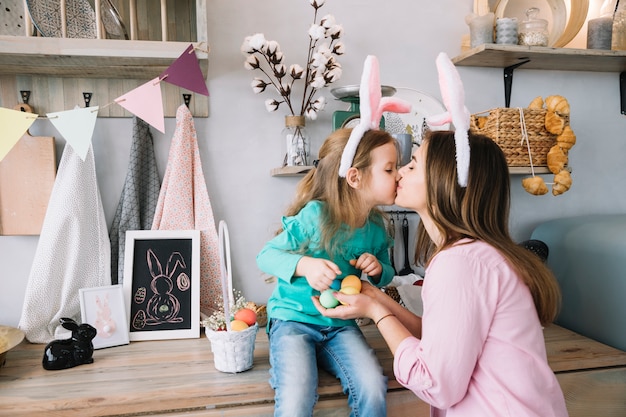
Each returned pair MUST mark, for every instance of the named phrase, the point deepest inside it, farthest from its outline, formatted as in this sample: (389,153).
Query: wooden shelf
(290,171)
(89,58)
(543,58)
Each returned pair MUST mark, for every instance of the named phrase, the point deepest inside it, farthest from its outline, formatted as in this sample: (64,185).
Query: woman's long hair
(343,204)
(480,211)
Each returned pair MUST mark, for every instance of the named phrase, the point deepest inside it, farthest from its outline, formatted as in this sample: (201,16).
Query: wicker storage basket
(504,127)
(233,351)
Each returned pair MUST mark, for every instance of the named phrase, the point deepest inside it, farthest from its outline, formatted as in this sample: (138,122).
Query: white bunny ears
(454,99)
(372,106)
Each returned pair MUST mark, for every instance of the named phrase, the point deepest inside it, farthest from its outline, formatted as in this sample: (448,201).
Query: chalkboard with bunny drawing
(161,292)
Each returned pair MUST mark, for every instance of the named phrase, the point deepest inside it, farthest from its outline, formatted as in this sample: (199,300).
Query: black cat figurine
(67,353)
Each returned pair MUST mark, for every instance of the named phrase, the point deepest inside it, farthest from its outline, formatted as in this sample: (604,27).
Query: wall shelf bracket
(508,81)
(622,91)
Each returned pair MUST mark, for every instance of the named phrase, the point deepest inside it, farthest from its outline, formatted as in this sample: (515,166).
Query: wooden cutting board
(27,175)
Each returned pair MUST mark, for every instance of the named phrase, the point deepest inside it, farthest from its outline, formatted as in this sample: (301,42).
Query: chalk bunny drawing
(104,323)
(163,306)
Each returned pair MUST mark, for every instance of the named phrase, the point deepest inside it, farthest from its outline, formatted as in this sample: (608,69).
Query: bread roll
(557,104)
(554,123)
(557,159)
(536,104)
(535,185)
(562,182)
(567,138)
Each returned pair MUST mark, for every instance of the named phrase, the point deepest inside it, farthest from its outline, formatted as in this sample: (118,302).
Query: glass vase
(618,35)
(296,142)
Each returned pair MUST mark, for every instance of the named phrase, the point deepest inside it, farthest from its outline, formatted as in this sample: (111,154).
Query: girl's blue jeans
(296,351)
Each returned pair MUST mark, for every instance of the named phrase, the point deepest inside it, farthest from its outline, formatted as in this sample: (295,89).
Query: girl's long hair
(343,204)
(480,211)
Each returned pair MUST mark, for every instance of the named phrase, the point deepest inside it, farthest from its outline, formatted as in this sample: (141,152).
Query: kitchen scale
(350,94)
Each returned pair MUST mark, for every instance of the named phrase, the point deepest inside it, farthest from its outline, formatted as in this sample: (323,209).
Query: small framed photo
(104,309)
(162,284)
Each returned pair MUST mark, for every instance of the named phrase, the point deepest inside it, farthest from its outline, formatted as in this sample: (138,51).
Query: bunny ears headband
(372,106)
(454,99)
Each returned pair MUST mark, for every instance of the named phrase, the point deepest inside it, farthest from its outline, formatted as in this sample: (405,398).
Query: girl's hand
(319,273)
(369,264)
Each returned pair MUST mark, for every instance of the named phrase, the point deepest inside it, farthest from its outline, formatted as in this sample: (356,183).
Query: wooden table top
(152,376)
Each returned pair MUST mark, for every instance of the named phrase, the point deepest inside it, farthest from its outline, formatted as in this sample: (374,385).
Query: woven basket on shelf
(233,351)
(504,127)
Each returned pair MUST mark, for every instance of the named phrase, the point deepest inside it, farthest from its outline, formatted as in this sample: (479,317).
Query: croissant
(556,159)
(558,104)
(536,104)
(535,185)
(554,123)
(567,138)
(562,182)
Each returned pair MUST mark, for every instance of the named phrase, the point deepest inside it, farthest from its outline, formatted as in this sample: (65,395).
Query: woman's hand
(319,273)
(365,304)
(369,264)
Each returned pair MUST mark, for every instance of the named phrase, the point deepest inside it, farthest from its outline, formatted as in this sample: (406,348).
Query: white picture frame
(162,284)
(104,308)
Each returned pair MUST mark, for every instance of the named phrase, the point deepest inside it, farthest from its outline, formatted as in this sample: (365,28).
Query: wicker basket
(504,127)
(233,351)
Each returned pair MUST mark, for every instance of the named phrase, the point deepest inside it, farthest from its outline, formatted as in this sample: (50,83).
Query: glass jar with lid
(533,31)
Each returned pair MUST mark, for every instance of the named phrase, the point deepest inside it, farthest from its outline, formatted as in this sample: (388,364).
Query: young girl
(332,230)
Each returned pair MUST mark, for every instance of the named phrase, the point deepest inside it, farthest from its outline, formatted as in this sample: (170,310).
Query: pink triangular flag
(14,124)
(185,72)
(76,126)
(146,102)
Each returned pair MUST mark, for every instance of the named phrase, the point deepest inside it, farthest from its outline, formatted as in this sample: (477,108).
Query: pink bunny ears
(372,106)
(454,99)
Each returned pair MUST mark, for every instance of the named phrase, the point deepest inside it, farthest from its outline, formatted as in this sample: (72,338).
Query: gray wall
(239,142)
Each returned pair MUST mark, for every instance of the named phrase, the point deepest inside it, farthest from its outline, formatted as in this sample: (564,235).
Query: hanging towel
(184,205)
(73,250)
(138,201)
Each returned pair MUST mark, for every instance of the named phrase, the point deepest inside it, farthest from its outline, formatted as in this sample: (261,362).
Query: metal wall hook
(187,99)
(25,96)
(87,98)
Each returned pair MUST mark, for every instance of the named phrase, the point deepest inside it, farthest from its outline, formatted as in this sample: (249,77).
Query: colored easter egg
(351,281)
(238,325)
(328,300)
(348,290)
(246,315)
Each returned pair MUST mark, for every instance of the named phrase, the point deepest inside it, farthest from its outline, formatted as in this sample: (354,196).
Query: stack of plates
(80,18)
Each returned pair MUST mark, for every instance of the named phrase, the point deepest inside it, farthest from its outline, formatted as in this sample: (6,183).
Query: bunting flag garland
(76,126)
(14,124)
(185,72)
(145,102)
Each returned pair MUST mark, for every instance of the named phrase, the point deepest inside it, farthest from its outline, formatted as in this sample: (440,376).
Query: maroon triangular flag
(185,72)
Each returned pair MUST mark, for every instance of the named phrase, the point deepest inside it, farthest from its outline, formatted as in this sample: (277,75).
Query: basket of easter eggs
(233,330)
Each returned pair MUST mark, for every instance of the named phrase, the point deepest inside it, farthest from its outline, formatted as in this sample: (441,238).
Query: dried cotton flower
(321,68)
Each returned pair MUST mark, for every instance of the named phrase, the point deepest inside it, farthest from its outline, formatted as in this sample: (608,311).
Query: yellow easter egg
(349,291)
(351,281)
(238,325)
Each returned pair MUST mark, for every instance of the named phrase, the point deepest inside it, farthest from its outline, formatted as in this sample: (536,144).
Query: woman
(478,349)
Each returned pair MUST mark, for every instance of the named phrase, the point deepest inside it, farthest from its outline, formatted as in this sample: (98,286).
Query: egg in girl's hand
(349,291)
(351,281)
(246,315)
(238,325)
(327,299)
